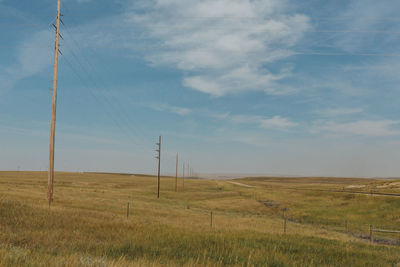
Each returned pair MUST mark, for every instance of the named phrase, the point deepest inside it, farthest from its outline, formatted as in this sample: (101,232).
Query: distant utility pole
(183,175)
(159,165)
(53,109)
(176,174)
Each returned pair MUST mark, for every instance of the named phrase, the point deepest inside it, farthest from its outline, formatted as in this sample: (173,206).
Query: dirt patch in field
(355,186)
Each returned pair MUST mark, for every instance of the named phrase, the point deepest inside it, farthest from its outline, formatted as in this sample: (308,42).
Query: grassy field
(87,223)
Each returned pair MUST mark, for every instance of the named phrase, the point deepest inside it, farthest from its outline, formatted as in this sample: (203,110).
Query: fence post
(284,225)
(284,219)
(211,219)
(127,211)
(371,233)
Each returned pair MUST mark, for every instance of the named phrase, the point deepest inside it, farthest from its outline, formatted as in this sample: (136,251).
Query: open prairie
(87,225)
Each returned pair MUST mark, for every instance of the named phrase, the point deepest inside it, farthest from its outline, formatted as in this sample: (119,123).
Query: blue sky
(263,86)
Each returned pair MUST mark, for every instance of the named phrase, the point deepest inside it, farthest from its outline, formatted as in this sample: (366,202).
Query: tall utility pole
(176,174)
(159,165)
(53,108)
(183,175)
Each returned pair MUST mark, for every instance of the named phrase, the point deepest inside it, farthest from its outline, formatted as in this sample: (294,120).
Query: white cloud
(276,122)
(367,15)
(332,112)
(215,115)
(223,45)
(173,109)
(361,127)
(30,60)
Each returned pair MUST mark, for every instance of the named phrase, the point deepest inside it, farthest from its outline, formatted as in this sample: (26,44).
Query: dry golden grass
(87,224)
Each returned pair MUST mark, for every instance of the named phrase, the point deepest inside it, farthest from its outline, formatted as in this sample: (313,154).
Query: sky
(274,87)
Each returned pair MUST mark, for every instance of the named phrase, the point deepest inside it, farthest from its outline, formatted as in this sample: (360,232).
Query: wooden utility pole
(159,165)
(176,174)
(183,175)
(53,109)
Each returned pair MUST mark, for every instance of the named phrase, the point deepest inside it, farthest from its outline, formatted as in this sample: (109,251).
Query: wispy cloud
(173,109)
(215,115)
(223,45)
(332,112)
(63,134)
(377,128)
(367,15)
(276,122)
(30,60)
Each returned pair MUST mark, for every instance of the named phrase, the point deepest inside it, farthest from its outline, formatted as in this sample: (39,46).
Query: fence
(372,230)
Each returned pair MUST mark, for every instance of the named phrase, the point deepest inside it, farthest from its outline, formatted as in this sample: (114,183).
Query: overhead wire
(326,18)
(107,106)
(100,79)
(93,78)
(122,117)
(94,96)
(223,27)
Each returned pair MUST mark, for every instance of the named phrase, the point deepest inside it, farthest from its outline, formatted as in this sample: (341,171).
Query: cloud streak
(30,60)
(333,112)
(172,109)
(223,46)
(373,128)
(275,122)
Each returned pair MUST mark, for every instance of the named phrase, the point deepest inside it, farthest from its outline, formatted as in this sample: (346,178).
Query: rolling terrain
(87,225)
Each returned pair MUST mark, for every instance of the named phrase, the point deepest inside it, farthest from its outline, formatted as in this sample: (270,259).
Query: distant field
(87,223)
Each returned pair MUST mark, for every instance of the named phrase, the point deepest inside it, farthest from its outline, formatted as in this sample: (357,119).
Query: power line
(92,78)
(100,79)
(97,14)
(216,27)
(119,122)
(346,54)
(8,25)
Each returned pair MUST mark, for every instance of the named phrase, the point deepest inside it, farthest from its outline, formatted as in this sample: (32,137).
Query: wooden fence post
(284,225)
(211,219)
(371,233)
(284,219)
(127,211)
